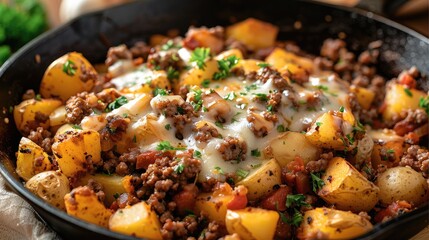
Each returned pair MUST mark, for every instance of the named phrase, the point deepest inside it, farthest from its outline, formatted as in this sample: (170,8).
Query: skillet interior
(92,34)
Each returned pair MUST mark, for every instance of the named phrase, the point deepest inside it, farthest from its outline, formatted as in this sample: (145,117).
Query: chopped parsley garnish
(219,124)
(230,96)
(197,154)
(77,127)
(134,139)
(172,73)
(256,165)
(160,91)
(319,124)
(281,128)
(69,68)
(390,151)
(323,87)
(270,108)
(424,103)
(296,218)
(219,170)
(261,96)
(359,127)
(251,87)
(255,153)
(38,97)
(169,45)
(296,200)
(199,56)
(167,126)
(205,83)
(179,168)
(350,138)
(122,100)
(125,115)
(241,173)
(263,65)
(408,92)
(116,195)
(197,103)
(234,119)
(341,109)
(166,146)
(316,181)
(225,66)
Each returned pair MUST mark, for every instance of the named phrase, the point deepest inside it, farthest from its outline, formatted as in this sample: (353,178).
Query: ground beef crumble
(417,158)
(233,149)
(42,137)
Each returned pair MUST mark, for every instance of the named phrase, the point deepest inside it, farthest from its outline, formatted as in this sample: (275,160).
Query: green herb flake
(116,195)
(69,68)
(341,109)
(199,56)
(323,88)
(255,152)
(38,97)
(168,45)
(166,146)
(134,139)
(219,124)
(408,92)
(281,128)
(78,127)
(296,200)
(230,96)
(219,170)
(251,87)
(160,91)
(424,103)
(319,124)
(205,83)
(263,65)
(179,168)
(225,66)
(390,151)
(197,154)
(172,73)
(261,96)
(256,165)
(296,218)
(167,126)
(241,173)
(234,118)
(316,181)
(122,100)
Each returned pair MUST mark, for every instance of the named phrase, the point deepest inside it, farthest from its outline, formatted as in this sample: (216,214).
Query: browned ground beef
(181,114)
(233,149)
(77,108)
(410,120)
(321,164)
(42,137)
(417,158)
(113,131)
(120,52)
(205,133)
(267,73)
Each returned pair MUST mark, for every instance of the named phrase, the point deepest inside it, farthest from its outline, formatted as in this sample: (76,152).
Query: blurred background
(23,20)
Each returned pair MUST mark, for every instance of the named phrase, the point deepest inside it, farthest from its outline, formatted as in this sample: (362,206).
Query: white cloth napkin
(18,220)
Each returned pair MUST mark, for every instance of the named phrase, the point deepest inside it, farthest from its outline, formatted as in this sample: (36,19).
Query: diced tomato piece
(145,159)
(407,80)
(302,182)
(238,202)
(185,200)
(297,165)
(277,200)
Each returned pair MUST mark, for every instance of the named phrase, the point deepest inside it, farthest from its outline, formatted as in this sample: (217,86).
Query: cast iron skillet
(92,34)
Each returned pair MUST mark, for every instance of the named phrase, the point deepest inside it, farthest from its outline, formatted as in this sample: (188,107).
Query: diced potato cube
(31,159)
(138,220)
(76,150)
(252,223)
(364,96)
(399,98)
(332,224)
(112,185)
(255,34)
(346,188)
(285,61)
(82,203)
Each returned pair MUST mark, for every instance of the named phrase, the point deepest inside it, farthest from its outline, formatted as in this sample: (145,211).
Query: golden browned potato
(399,98)
(58,116)
(346,188)
(29,112)
(327,130)
(364,96)
(214,204)
(261,181)
(402,183)
(287,62)
(255,34)
(252,223)
(287,146)
(112,185)
(138,220)
(76,150)
(195,76)
(51,186)
(332,224)
(67,76)
(31,159)
(83,203)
